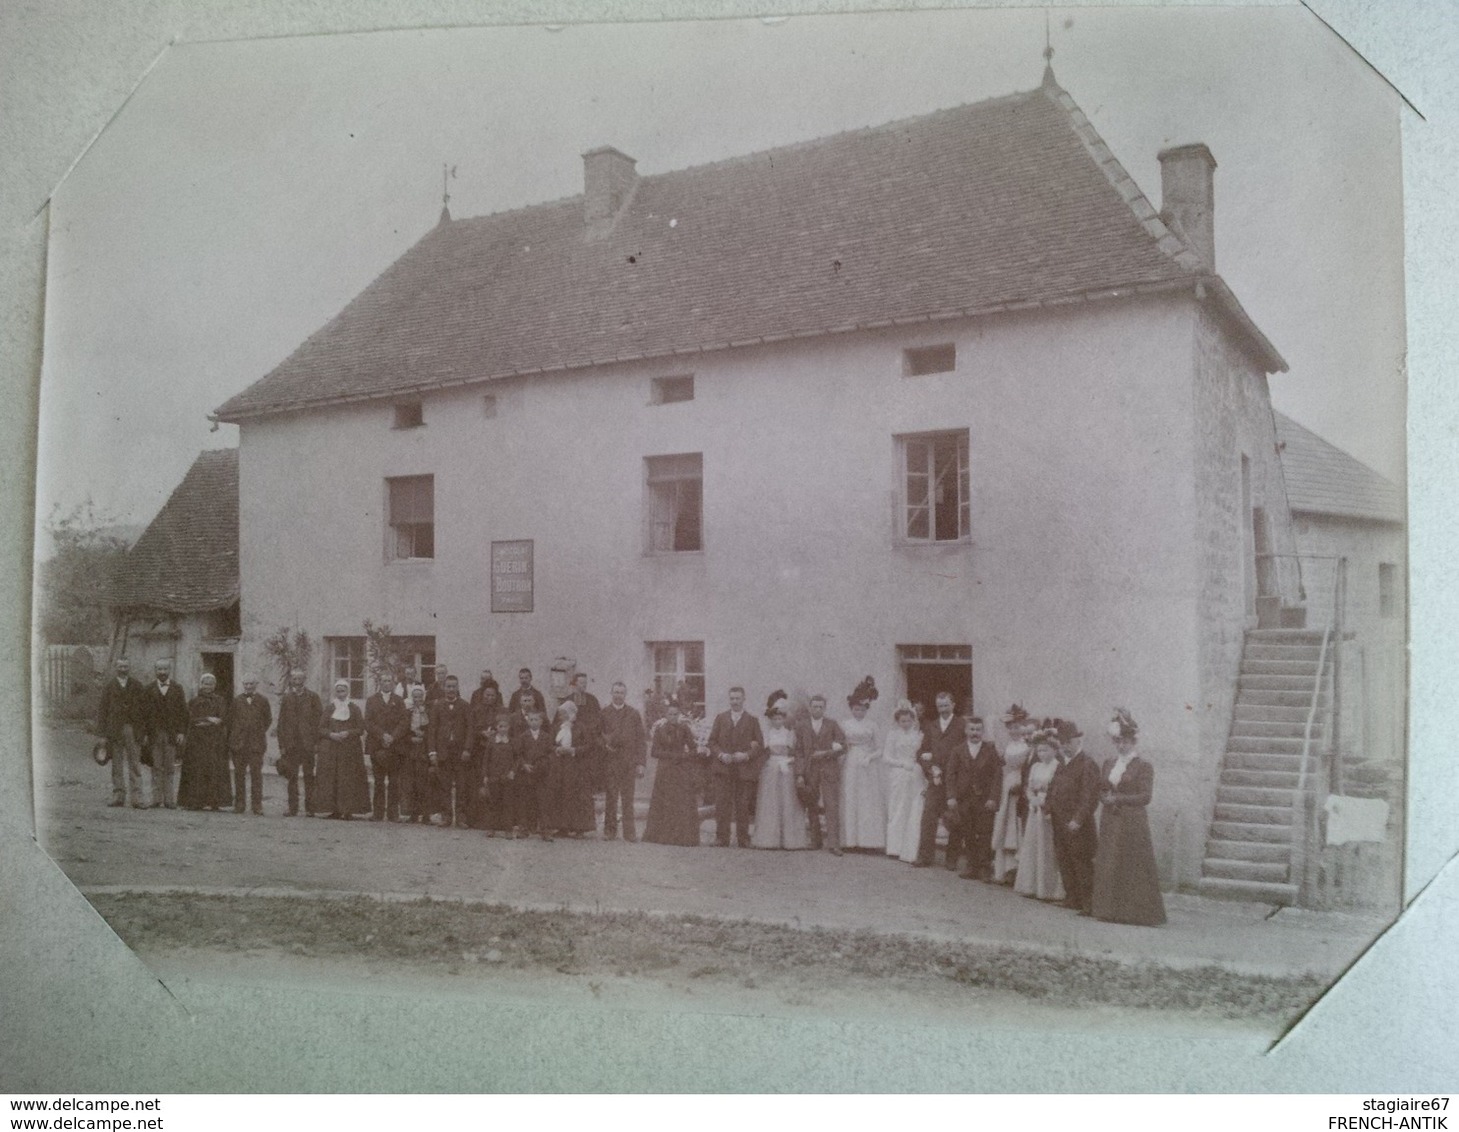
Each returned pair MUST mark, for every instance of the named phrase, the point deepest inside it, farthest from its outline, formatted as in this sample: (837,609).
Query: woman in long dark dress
(673,810)
(339,777)
(207,782)
(1126,884)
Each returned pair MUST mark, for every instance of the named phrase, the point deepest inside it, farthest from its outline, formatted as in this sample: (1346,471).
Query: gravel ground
(173,853)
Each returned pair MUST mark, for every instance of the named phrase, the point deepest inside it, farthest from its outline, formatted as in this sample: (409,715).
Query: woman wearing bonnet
(339,777)
(1126,884)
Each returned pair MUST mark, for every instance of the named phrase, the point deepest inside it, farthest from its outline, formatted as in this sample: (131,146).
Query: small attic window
(488,405)
(667,390)
(409,414)
(920,360)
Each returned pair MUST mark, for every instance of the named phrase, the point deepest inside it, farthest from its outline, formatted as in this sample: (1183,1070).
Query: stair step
(1264,891)
(1285,636)
(1266,682)
(1268,779)
(1265,745)
(1273,713)
(1271,872)
(1250,831)
(1303,668)
(1307,654)
(1253,697)
(1227,795)
(1254,815)
(1270,852)
(1281,729)
(1251,760)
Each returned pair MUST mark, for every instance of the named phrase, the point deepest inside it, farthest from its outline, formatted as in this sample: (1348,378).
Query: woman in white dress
(906,784)
(780,818)
(1007,826)
(1038,868)
(863,778)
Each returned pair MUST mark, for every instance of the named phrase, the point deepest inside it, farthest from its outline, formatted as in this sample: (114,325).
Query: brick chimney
(1187,197)
(608,179)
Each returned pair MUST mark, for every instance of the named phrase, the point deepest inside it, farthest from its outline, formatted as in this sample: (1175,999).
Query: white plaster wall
(1078,591)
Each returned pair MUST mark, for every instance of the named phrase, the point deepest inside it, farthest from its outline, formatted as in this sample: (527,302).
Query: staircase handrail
(1312,714)
(1303,860)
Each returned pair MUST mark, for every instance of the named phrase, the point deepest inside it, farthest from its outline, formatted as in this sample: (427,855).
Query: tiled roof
(187,559)
(1322,479)
(1009,203)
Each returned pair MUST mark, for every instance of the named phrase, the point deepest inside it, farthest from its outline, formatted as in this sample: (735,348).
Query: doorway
(929,669)
(220,664)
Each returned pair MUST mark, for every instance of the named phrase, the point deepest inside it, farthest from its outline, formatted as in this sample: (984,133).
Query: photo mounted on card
(890,513)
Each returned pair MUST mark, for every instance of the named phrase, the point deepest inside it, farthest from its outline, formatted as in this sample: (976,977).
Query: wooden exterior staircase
(1257,841)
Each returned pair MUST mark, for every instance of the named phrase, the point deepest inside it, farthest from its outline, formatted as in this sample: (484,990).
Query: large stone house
(948,401)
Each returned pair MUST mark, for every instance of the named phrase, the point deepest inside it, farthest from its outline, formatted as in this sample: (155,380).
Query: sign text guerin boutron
(511,576)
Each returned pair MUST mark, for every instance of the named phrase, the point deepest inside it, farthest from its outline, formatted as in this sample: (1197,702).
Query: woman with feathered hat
(863,777)
(1126,883)
(1038,867)
(1007,826)
(780,817)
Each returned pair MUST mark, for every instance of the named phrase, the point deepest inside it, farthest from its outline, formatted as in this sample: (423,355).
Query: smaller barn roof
(187,559)
(1322,479)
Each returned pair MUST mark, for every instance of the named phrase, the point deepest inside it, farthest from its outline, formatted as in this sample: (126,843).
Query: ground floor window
(347,662)
(678,671)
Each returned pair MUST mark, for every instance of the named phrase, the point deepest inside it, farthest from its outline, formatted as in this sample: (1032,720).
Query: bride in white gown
(905,784)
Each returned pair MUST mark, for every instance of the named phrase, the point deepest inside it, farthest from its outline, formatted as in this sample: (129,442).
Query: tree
(382,651)
(78,582)
(289,650)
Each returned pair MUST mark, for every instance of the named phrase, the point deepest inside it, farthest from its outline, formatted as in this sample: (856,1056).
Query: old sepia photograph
(895,514)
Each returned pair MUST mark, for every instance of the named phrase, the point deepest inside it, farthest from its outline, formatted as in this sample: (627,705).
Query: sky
(247,191)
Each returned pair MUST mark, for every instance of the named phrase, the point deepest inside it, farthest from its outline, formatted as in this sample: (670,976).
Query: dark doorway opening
(220,664)
(929,669)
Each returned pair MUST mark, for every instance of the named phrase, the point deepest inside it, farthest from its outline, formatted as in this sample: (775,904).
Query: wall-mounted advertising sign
(511,576)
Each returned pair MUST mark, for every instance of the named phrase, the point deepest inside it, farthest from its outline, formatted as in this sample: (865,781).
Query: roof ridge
(755,155)
(1165,237)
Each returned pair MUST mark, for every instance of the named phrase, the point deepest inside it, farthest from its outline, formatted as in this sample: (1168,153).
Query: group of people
(1040,815)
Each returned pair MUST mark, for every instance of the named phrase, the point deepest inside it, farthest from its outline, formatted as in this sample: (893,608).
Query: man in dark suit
(448,745)
(167,722)
(248,725)
(735,746)
(1072,799)
(940,739)
(820,745)
(624,752)
(298,734)
(974,782)
(121,720)
(386,722)
(524,697)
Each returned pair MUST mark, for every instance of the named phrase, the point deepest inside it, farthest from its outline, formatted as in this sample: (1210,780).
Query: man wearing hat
(1072,799)
(120,720)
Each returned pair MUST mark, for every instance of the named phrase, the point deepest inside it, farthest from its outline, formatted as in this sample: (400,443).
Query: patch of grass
(428,933)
